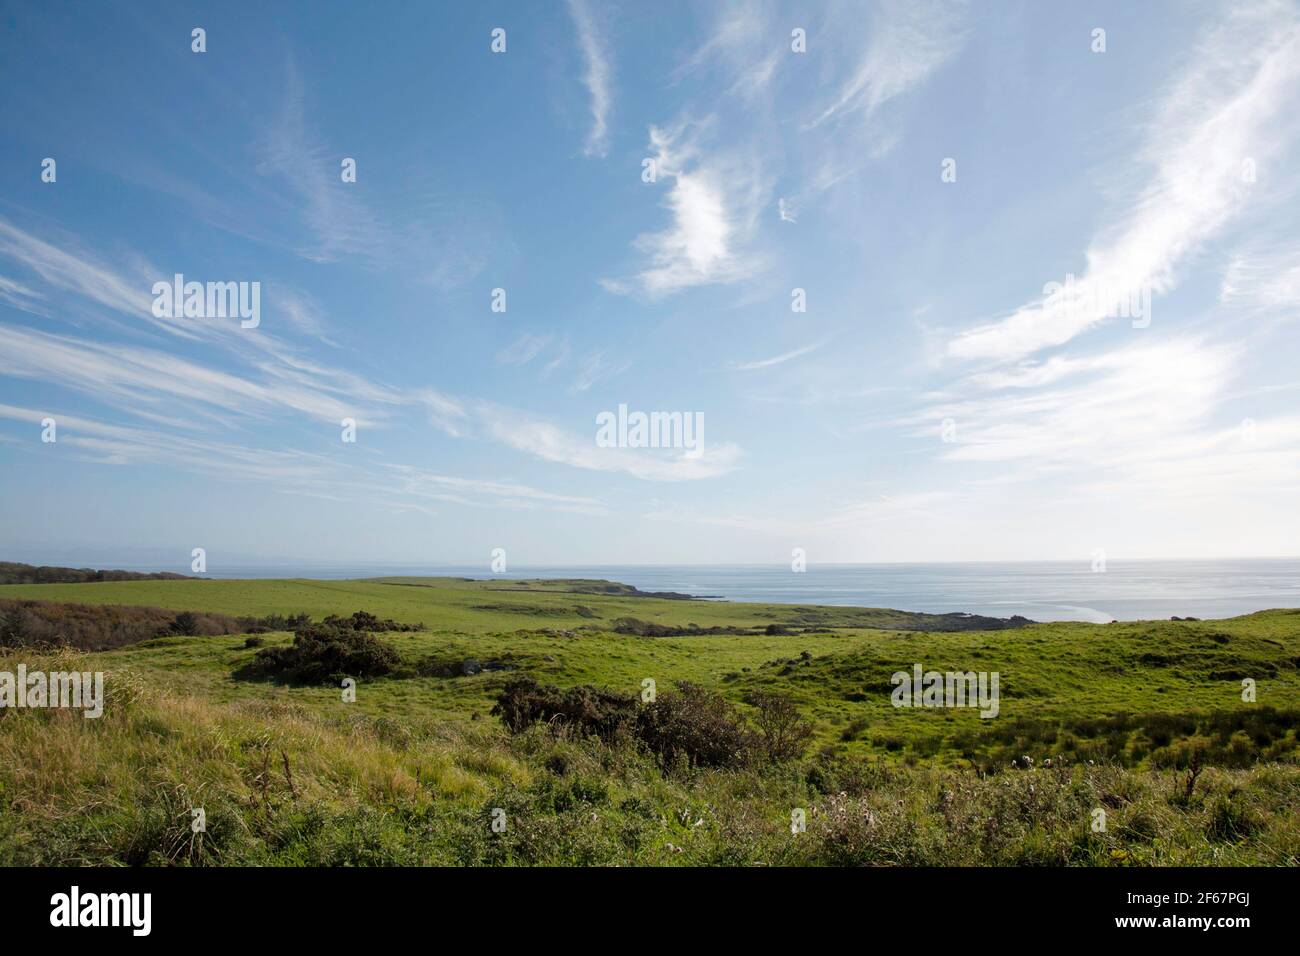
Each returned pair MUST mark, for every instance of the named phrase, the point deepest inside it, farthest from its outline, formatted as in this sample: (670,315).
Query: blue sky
(935,401)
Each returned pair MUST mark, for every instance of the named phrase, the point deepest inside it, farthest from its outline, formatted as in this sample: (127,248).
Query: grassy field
(1144,720)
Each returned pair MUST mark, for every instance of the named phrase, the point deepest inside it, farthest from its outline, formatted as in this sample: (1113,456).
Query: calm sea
(1042,591)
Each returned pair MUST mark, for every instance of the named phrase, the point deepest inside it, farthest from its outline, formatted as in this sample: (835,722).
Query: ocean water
(1041,591)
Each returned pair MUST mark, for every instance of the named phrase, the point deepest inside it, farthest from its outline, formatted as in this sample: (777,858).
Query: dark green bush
(783,732)
(322,654)
(365,621)
(697,726)
(588,710)
(690,725)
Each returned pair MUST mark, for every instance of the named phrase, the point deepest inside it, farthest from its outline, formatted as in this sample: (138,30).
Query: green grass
(409,772)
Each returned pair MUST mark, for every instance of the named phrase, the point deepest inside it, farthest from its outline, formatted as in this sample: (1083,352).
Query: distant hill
(11,572)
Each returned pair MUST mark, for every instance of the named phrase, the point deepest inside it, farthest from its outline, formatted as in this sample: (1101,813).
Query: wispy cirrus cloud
(409,222)
(549,442)
(595,368)
(21,297)
(302,472)
(582,373)
(301,311)
(1146,418)
(1230,106)
(907,41)
(525,347)
(68,277)
(110,444)
(775,359)
(420,482)
(266,379)
(598,78)
(339,223)
(76,272)
(1263,281)
(744,44)
(143,380)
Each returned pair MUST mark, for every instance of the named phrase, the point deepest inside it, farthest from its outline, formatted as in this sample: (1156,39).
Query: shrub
(365,621)
(589,710)
(253,642)
(697,726)
(100,627)
(322,654)
(784,732)
(690,725)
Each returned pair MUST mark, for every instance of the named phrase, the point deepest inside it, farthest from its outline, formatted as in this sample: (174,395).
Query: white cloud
(745,42)
(593,369)
(774,360)
(1146,419)
(907,41)
(598,78)
(523,349)
(300,310)
(78,274)
(549,442)
(713,202)
(1221,112)
(140,379)
(420,482)
(20,296)
(339,222)
(321,476)
(1266,281)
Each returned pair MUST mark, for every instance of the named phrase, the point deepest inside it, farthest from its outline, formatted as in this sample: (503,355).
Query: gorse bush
(365,621)
(698,727)
(586,710)
(323,654)
(690,726)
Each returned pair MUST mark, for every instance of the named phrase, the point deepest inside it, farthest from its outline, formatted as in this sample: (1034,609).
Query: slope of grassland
(411,770)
